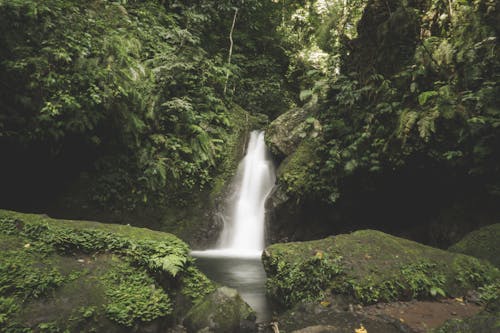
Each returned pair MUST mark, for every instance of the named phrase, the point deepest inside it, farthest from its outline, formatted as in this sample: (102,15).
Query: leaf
(362,329)
(425,96)
(437,291)
(305,94)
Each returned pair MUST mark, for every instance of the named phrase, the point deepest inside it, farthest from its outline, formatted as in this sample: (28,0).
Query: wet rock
(223,311)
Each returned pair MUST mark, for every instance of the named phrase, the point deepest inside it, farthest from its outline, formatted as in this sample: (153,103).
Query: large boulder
(482,243)
(81,276)
(223,311)
(370,266)
(286,132)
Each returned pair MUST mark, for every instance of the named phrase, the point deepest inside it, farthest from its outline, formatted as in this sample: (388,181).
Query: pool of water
(244,274)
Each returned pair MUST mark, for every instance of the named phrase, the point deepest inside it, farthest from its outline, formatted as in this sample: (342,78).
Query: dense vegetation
(381,114)
(58,275)
(135,101)
(400,117)
(419,84)
(138,94)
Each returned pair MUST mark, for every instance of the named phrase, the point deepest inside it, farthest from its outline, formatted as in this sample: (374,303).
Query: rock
(398,269)
(223,311)
(83,276)
(317,329)
(286,132)
(483,322)
(333,321)
(482,243)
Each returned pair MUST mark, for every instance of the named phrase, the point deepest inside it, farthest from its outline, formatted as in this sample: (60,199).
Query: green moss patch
(58,275)
(370,266)
(482,243)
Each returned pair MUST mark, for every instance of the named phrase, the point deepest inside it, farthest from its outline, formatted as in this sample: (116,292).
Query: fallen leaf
(27,245)
(325,303)
(362,329)
(459,299)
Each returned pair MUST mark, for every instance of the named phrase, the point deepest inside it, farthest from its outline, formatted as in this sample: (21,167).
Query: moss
(295,171)
(195,285)
(371,266)
(482,243)
(134,296)
(84,276)
(483,322)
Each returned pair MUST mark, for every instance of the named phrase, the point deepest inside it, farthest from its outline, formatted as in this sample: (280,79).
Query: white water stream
(235,261)
(243,234)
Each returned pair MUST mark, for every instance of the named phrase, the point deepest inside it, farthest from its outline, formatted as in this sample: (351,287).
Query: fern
(427,124)
(407,121)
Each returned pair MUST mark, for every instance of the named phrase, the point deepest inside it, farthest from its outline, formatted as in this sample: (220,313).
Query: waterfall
(243,233)
(236,259)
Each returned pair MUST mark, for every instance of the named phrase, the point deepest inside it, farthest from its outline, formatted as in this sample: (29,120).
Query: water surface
(244,274)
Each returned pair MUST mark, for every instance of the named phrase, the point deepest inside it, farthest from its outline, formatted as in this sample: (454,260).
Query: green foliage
(134,297)
(423,279)
(196,285)
(167,256)
(490,295)
(303,281)
(8,306)
(19,278)
(132,276)
(433,104)
(413,281)
(370,266)
(131,78)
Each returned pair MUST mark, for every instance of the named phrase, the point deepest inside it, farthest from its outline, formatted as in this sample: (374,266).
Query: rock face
(369,266)
(81,276)
(223,311)
(482,243)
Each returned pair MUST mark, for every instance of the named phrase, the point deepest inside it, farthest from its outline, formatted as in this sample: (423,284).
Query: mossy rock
(482,243)
(82,276)
(370,266)
(223,311)
(484,322)
(284,134)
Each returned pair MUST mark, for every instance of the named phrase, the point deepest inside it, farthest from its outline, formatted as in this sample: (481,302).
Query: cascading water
(236,260)
(244,232)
